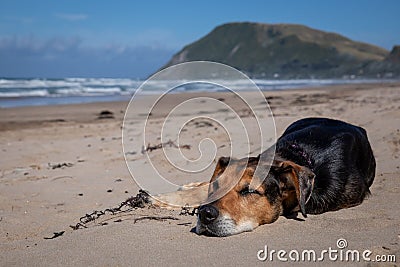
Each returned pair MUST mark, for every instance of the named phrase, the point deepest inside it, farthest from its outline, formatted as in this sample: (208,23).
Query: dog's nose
(207,214)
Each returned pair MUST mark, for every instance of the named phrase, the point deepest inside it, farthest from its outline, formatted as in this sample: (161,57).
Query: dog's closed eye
(247,191)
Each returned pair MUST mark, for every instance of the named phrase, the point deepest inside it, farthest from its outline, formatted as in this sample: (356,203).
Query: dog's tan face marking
(244,208)
(246,205)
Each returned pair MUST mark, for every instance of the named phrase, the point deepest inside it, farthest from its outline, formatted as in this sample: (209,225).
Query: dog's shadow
(293,216)
(290,216)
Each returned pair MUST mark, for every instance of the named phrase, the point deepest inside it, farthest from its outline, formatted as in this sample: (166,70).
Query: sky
(132,39)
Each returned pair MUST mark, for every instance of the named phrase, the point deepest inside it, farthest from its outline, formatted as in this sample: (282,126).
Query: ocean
(36,92)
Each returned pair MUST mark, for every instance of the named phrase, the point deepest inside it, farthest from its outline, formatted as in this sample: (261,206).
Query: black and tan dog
(319,165)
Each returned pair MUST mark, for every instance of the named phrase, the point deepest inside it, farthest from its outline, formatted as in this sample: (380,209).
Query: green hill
(283,50)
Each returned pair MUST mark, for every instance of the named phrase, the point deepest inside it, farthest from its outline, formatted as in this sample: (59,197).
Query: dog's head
(285,187)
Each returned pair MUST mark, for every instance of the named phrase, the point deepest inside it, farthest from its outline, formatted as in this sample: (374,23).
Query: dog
(317,165)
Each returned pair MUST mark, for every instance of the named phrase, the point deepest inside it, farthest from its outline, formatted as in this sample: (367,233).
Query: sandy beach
(59,163)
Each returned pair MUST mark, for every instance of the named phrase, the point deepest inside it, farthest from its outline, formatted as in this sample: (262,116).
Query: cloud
(61,57)
(71,17)
(18,19)
(30,45)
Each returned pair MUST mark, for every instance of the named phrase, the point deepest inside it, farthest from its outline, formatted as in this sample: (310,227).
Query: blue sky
(67,38)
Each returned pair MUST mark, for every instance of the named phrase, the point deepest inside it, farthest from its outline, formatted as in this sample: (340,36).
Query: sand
(60,162)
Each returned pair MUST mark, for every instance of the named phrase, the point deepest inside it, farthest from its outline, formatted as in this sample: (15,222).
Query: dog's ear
(220,168)
(295,177)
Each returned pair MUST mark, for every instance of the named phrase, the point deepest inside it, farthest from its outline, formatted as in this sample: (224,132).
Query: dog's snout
(208,214)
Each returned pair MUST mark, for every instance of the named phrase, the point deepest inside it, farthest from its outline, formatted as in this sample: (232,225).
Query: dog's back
(338,153)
